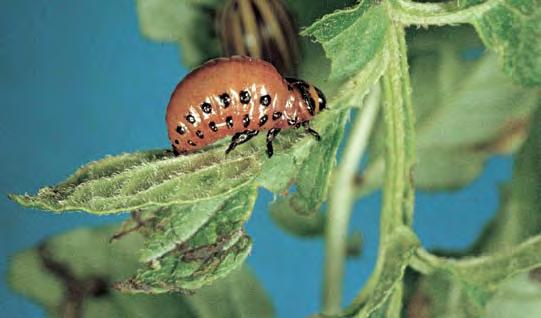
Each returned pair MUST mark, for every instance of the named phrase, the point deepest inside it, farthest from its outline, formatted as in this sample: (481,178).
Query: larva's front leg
(240,138)
(270,138)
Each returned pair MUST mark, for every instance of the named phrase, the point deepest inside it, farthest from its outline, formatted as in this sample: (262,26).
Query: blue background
(78,82)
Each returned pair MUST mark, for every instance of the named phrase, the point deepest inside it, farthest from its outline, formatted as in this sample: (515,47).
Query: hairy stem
(398,188)
(340,204)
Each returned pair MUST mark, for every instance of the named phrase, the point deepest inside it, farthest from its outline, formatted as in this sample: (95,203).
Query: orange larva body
(237,96)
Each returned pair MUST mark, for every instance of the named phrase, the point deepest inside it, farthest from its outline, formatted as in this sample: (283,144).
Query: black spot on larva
(191,143)
(244,97)
(263,120)
(276,115)
(246,121)
(206,108)
(225,99)
(175,151)
(190,119)
(229,121)
(199,134)
(176,141)
(181,130)
(212,126)
(292,121)
(265,100)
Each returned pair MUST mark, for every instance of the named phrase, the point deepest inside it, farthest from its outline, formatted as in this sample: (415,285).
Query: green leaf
(85,261)
(298,213)
(351,38)
(466,111)
(352,91)
(295,223)
(141,180)
(175,21)
(314,175)
(512,28)
(278,174)
(191,246)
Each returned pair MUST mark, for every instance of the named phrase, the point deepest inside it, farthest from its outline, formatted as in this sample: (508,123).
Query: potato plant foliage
(437,115)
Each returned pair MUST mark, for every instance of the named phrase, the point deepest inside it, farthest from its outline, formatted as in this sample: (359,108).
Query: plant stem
(341,201)
(409,129)
(414,13)
(398,188)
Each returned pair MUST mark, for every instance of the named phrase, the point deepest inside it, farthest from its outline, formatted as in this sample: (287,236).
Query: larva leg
(311,131)
(270,138)
(240,138)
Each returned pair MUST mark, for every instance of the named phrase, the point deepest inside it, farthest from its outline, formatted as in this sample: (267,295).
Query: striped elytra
(238,96)
(262,29)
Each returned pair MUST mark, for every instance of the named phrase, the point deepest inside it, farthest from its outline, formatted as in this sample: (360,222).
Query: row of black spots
(181,130)
(229,122)
(225,101)
(245,98)
(190,142)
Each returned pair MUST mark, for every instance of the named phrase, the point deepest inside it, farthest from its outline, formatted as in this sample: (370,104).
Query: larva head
(312,98)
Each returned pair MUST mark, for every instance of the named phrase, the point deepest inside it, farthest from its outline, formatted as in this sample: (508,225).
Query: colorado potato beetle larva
(238,96)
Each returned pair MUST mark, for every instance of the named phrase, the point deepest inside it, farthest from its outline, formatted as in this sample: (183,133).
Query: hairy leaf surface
(351,38)
(141,180)
(512,28)
(187,247)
